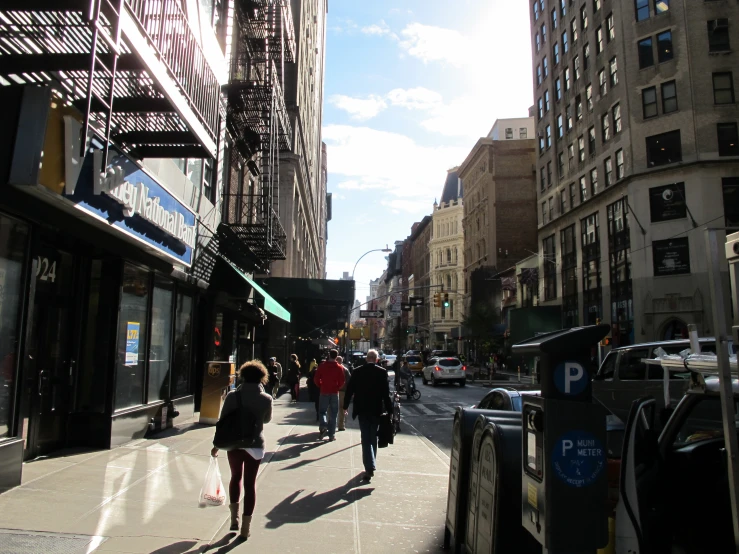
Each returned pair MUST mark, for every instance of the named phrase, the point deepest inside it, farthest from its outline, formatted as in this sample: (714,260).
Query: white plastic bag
(212,493)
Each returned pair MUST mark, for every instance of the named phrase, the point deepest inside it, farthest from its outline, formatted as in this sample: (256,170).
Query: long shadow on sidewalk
(303,463)
(315,505)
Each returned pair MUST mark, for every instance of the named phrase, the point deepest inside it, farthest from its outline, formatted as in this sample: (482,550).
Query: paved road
(432,415)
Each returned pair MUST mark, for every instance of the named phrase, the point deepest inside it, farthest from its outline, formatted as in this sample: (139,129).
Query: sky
(410,87)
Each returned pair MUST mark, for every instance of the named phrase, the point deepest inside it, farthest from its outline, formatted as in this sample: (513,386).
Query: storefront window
(182,346)
(13,239)
(132,331)
(161,342)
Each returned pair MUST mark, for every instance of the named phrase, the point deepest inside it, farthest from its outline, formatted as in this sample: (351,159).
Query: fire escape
(251,234)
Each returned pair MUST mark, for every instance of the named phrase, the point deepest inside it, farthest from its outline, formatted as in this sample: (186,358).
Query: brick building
(637,151)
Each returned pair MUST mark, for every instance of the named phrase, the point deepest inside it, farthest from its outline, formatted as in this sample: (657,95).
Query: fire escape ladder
(103,90)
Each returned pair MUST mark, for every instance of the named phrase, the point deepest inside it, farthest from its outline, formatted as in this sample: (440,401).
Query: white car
(389,360)
(444,369)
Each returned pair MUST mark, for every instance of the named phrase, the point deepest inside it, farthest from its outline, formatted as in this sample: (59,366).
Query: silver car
(449,370)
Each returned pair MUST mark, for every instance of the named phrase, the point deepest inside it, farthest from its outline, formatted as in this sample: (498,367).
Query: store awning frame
(270,304)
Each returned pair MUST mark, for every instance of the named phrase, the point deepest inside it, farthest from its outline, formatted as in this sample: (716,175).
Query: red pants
(243,467)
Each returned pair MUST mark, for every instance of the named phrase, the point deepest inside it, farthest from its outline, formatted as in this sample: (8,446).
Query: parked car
(623,377)
(445,369)
(508,399)
(415,362)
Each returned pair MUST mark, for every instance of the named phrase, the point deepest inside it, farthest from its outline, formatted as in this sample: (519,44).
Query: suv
(623,377)
(443,369)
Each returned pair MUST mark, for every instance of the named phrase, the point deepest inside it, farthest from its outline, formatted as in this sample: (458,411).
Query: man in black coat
(371,392)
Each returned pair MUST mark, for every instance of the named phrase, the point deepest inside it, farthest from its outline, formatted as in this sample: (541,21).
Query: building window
(584,18)
(509,133)
(523,133)
(568,113)
(545,65)
(541,144)
(728,140)
(591,141)
(573,195)
(586,56)
(583,189)
(619,265)
(642,10)
(573,30)
(569,276)
(649,102)
(543,212)
(594,181)
(560,129)
(551,208)
(730,187)
(554,18)
(591,280)
(602,85)
(664,47)
(598,40)
(664,149)
(536,10)
(546,101)
(538,75)
(613,66)
(550,268)
(608,166)
(661,6)
(718,35)
(576,62)
(565,44)
(562,201)
(549,174)
(160,342)
(616,119)
(555,53)
(669,97)
(605,122)
(557,89)
(543,175)
(596,5)
(581,148)
(540,106)
(589,97)
(543,33)
(549,136)
(567,78)
(610,27)
(723,88)
(619,165)
(646,54)
(571,155)
(537,39)
(563,7)
(561,164)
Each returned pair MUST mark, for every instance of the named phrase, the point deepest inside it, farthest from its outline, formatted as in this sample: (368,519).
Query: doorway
(50,363)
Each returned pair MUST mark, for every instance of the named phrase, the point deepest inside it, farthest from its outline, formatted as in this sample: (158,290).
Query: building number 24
(45,270)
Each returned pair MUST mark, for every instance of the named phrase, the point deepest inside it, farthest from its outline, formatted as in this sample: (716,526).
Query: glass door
(50,363)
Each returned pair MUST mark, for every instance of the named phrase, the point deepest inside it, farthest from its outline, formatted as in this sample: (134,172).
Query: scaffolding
(260,129)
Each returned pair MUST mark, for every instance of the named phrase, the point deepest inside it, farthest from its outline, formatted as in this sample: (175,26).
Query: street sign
(417,301)
(371,313)
(405,307)
(578,458)
(570,378)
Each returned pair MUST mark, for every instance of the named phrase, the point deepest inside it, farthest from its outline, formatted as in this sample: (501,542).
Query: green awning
(270,304)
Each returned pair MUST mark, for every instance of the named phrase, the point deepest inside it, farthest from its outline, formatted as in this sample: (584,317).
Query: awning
(270,304)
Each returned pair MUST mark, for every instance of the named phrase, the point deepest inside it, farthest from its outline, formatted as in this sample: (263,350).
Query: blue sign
(570,378)
(129,199)
(132,343)
(578,458)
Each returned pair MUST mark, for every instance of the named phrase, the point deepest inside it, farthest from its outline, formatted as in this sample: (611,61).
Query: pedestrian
(275,376)
(244,462)
(313,391)
(371,393)
(329,378)
(293,377)
(342,393)
(313,365)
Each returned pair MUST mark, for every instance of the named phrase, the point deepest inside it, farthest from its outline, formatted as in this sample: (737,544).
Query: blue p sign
(570,378)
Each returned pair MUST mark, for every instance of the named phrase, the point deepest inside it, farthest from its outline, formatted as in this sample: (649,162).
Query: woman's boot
(245,525)
(234,516)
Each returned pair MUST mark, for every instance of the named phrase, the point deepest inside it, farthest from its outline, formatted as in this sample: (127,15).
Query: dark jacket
(293,374)
(254,399)
(370,390)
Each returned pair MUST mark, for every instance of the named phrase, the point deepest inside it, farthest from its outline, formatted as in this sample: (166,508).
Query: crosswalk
(435,409)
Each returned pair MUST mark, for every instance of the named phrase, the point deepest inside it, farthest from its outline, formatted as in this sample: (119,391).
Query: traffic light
(437,300)
(446,299)
(606,341)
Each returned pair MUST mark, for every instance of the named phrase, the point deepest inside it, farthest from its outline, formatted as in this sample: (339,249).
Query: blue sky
(410,86)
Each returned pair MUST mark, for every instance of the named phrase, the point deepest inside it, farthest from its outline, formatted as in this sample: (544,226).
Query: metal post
(717,260)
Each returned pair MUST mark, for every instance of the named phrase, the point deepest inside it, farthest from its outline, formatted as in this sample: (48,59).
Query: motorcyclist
(402,375)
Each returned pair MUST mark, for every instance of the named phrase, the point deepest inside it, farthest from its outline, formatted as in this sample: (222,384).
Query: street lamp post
(354,293)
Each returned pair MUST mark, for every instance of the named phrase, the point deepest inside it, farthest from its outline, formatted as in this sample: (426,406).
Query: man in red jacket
(330,379)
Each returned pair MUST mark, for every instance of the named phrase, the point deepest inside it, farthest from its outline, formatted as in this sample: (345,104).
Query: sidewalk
(142,497)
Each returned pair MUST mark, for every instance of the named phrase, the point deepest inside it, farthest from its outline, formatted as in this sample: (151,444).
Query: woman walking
(244,462)
(293,377)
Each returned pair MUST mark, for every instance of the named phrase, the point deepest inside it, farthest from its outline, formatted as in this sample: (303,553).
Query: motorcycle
(407,386)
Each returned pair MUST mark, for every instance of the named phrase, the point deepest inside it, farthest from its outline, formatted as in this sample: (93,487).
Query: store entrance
(50,363)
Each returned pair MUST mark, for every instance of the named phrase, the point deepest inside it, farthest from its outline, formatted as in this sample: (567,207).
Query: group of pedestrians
(366,389)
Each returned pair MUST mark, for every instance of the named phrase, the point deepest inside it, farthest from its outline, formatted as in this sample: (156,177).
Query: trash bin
(216,382)
(459,470)
(497,525)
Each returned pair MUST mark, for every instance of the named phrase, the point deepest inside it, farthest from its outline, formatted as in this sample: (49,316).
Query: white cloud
(359,108)
(418,98)
(389,164)
(432,44)
(379,29)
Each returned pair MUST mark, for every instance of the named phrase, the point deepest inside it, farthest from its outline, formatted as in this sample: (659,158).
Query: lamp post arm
(362,256)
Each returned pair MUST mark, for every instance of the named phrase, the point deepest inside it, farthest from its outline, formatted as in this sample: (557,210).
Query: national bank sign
(128,198)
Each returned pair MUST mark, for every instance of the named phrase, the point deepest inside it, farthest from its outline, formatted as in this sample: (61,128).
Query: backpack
(236,430)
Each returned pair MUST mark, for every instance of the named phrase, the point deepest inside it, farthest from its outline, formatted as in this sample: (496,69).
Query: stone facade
(421,272)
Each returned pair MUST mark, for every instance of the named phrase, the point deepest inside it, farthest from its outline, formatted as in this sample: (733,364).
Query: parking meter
(564,477)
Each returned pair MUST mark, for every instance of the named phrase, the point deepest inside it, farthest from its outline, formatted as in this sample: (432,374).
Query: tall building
(638,150)
(421,272)
(446,248)
(499,200)
(302,206)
